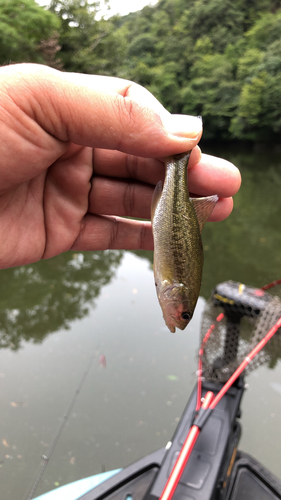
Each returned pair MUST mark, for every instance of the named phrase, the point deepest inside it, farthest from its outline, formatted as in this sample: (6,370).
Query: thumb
(109,113)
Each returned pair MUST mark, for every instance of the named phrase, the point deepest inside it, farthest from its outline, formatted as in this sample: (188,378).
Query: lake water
(67,317)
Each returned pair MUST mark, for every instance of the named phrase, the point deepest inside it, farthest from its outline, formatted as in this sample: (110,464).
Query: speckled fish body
(177,221)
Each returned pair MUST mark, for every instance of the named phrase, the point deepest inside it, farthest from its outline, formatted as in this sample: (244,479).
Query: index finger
(207,174)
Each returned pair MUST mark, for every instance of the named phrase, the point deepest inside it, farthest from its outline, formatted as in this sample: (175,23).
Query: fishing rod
(46,458)
(204,409)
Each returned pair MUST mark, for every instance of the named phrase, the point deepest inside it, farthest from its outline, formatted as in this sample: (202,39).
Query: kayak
(216,470)
(75,490)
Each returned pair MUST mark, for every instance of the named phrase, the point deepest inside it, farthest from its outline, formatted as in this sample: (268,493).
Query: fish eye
(185,316)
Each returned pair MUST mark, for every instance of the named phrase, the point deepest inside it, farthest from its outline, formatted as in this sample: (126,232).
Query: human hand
(80,152)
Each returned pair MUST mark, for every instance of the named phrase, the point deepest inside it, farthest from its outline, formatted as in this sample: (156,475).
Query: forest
(220,59)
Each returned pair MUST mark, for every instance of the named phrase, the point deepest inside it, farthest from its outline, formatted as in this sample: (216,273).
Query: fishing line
(47,457)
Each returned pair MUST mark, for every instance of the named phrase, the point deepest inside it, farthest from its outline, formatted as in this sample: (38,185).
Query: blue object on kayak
(75,490)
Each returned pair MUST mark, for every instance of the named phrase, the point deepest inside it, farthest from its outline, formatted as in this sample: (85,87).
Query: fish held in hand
(177,222)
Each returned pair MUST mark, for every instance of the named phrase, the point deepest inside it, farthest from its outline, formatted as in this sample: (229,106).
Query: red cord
(271,285)
(244,363)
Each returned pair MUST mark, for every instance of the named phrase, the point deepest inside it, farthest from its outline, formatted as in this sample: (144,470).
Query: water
(57,314)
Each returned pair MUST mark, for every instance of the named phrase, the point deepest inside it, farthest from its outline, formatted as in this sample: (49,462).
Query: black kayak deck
(215,470)
(249,481)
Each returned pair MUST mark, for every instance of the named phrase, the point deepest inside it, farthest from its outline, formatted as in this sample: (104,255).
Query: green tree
(212,91)
(248,63)
(265,31)
(217,58)
(220,19)
(28,33)
(87,45)
(258,115)
(41,298)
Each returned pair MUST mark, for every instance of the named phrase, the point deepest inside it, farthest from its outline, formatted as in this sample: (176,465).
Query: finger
(118,164)
(206,174)
(222,210)
(132,199)
(99,111)
(104,232)
(117,197)
(66,193)
(214,175)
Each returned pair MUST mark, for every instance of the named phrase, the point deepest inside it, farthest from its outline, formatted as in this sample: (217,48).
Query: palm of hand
(42,217)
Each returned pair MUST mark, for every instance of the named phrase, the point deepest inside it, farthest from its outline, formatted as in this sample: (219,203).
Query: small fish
(177,222)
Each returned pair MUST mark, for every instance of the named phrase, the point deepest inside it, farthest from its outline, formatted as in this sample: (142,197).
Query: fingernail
(183,125)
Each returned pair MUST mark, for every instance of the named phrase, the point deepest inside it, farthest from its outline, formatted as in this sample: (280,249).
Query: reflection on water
(105,304)
(41,298)
(123,411)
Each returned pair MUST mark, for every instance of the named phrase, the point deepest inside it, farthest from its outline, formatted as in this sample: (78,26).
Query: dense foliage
(27,32)
(220,59)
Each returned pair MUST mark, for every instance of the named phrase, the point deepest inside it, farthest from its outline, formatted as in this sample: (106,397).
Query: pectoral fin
(203,208)
(156,197)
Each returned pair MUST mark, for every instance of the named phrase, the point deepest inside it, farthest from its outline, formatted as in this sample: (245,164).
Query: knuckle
(113,234)
(132,165)
(142,237)
(129,199)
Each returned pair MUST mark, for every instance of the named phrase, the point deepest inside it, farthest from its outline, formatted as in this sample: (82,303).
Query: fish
(177,222)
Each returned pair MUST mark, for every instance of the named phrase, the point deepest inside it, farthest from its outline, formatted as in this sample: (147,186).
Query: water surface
(59,314)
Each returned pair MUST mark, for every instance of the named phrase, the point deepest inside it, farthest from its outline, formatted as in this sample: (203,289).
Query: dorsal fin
(203,208)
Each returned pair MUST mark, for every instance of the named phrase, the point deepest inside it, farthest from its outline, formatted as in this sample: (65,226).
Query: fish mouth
(175,323)
(177,309)
(172,328)
(171,323)
(180,324)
